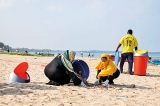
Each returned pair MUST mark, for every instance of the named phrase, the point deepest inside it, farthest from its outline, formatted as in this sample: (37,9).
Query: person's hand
(116,50)
(105,83)
(83,84)
(96,82)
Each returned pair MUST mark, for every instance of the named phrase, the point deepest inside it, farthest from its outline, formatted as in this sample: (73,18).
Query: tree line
(8,48)
(4,47)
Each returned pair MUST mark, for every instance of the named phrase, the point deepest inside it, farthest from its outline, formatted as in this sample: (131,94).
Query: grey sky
(79,24)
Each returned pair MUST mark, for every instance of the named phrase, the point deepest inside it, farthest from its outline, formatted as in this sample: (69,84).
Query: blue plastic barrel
(80,65)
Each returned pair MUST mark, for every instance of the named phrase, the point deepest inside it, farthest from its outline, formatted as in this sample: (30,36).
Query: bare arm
(119,45)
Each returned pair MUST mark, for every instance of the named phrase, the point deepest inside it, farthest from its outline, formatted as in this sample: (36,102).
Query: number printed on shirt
(129,42)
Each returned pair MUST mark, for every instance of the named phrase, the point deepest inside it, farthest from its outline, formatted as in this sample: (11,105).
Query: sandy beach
(37,93)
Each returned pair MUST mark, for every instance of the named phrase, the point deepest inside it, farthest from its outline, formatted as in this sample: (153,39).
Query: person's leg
(103,79)
(111,78)
(115,75)
(123,58)
(130,63)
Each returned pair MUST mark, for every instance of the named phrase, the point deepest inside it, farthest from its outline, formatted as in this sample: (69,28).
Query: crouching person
(60,71)
(106,71)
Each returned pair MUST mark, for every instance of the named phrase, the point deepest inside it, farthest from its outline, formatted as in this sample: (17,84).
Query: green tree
(1,45)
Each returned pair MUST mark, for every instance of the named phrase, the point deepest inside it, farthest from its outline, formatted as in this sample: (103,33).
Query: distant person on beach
(42,53)
(81,54)
(92,54)
(106,71)
(26,51)
(129,43)
(89,55)
(60,71)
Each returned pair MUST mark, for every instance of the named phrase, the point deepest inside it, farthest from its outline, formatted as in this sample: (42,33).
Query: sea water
(97,54)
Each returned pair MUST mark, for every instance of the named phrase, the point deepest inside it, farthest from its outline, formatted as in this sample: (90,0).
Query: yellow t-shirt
(129,42)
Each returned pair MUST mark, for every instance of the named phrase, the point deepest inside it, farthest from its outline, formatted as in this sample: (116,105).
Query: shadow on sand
(149,75)
(130,86)
(22,88)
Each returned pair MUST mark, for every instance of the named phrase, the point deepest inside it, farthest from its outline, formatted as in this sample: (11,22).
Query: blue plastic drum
(81,66)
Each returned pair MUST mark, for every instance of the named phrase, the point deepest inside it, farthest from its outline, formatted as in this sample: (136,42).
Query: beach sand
(37,93)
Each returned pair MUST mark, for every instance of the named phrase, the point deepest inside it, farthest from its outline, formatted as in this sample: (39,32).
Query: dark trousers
(110,77)
(129,57)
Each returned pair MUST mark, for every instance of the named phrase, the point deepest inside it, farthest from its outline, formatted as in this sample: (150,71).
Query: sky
(79,24)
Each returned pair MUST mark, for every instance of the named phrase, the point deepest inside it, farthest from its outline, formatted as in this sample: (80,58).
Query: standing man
(81,54)
(89,55)
(129,43)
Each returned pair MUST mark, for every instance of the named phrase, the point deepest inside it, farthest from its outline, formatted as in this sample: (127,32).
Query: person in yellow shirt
(129,43)
(106,71)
